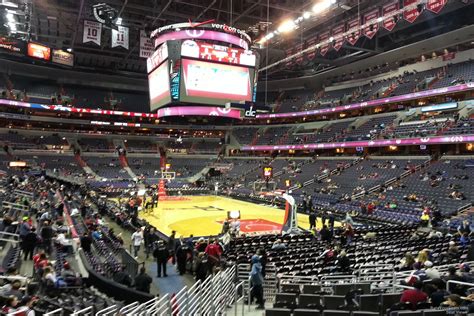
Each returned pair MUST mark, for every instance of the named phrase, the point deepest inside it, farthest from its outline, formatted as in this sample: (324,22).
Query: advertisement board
(63,58)
(213,83)
(39,51)
(159,85)
(218,53)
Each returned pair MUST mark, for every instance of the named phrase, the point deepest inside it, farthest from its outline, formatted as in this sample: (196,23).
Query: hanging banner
(311,42)
(389,22)
(370,19)
(412,13)
(290,62)
(146,45)
(120,37)
(92,32)
(324,44)
(339,40)
(435,5)
(353,27)
(300,59)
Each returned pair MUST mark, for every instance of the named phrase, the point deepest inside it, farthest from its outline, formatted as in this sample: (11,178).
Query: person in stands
(256,280)
(137,240)
(29,243)
(86,242)
(47,236)
(214,252)
(161,255)
(123,277)
(414,296)
(172,246)
(143,281)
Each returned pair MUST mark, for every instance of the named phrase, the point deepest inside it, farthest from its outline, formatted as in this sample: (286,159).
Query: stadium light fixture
(323,5)
(306,15)
(69,50)
(287,26)
(10,17)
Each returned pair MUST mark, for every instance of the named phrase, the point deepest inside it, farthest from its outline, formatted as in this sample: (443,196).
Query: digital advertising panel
(159,85)
(213,83)
(39,51)
(218,53)
(62,58)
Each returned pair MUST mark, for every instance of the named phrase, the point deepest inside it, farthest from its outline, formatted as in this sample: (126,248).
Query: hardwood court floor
(203,216)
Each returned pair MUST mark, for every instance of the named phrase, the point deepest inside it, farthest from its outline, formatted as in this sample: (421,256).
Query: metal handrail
(84,311)
(107,311)
(458,282)
(58,312)
(237,299)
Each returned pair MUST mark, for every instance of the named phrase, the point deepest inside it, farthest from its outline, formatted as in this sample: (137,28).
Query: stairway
(86,168)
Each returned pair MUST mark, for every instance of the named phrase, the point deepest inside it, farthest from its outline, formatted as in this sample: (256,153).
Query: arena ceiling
(59,24)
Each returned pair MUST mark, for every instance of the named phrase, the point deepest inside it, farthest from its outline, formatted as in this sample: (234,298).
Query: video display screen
(159,84)
(39,51)
(212,83)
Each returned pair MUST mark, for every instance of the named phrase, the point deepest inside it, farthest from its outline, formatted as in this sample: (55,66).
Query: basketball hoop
(168,175)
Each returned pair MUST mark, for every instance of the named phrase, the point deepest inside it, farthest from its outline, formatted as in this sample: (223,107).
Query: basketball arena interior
(236,157)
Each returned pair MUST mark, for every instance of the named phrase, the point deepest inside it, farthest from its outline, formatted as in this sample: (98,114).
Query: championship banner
(353,27)
(120,37)
(146,45)
(389,23)
(337,31)
(300,59)
(290,62)
(311,42)
(410,14)
(92,32)
(324,45)
(370,19)
(435,5)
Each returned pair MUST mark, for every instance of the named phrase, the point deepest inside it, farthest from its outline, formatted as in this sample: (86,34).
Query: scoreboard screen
(159,84)
(215,83)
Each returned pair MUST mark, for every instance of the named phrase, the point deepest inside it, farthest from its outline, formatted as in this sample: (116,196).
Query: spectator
(137,240)
(143,281)
(172,246)
(452,301)
(431,273)
(15,290)
(213,251)
(312,220)
(30,241)
(86,242)
(161,255)
(47,236)
(343,262)
(278,245)
(407,262)
(414,296)
(11,305)
(202,267)
(97,234)
(182,254)
(325,234)
(256,280)
(123,277)
(439,292)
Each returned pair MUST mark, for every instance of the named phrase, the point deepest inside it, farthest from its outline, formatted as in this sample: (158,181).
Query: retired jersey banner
(146,45)
(337,32)
(370,19)
(324,45)
(353,27)
(92,32)
(389,22)
(120,37)
(435,5)
(311,42)
(412,13)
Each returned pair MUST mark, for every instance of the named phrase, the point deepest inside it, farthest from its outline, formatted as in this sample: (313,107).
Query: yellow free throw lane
(202,215)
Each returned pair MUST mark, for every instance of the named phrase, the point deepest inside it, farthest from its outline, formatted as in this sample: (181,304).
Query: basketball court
(204,215)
